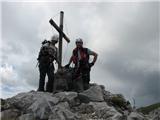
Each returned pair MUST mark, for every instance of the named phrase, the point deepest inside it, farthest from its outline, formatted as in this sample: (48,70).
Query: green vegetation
(147,109)
(118,100)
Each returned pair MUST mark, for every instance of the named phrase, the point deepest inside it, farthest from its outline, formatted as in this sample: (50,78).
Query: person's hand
(91,64)
(67,66)
(38,58)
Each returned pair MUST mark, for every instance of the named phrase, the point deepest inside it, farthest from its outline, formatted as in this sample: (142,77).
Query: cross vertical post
(60,39)
(61,36)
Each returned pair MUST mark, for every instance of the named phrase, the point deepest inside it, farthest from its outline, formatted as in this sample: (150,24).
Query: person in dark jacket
(47,54)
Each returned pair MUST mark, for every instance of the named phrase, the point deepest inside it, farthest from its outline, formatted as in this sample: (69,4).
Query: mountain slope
(148,109)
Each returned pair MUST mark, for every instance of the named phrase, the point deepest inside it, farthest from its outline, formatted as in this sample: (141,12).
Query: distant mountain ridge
(149,108)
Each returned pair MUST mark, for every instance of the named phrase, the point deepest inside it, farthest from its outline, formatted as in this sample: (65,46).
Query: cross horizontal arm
(59,30)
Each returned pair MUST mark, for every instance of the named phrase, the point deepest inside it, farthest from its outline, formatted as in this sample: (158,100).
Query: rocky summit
(93,104)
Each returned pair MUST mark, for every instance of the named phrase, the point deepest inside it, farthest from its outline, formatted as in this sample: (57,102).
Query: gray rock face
(155,114)
(102,110)
(42,108)
(62,112)
(70,97)
(93,94)
(66,96)
(10,114)
(92,104)
(27,117)
(136,116)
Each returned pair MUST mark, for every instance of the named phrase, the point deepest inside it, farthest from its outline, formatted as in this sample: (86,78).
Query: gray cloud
(125,35)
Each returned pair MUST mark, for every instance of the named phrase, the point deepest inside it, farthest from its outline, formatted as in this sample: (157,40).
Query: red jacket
(83,55)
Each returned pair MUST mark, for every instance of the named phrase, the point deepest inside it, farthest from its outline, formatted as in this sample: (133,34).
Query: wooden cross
(61,36)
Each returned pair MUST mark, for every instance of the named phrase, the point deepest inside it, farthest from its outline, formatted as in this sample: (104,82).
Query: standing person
(80,57)
(47,54)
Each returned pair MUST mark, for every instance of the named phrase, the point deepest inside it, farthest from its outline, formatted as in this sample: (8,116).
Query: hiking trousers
(49,70)
(81,78)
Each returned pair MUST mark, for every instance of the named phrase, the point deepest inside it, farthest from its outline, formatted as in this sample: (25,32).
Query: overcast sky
(125,36)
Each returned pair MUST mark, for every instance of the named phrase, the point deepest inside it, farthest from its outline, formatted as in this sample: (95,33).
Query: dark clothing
(47,54)
(81,77)
(49,70)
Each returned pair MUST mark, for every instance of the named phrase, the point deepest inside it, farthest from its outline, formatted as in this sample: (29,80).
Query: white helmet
(54,38)
(79,40)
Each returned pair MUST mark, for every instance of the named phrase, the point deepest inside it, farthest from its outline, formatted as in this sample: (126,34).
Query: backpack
(47,53)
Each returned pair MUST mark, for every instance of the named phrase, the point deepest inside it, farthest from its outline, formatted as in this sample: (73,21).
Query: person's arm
(94,54)
(95,57)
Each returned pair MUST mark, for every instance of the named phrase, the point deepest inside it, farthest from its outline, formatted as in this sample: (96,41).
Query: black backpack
(47,53)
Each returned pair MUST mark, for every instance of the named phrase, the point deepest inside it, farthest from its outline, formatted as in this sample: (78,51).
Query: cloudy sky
(125,36)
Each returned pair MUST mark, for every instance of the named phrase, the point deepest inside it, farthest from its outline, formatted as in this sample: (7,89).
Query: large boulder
(94,93)
(62,112)
(42,108)
(23,101)
(63,79)
(103,111)
(97,110)
(70,97)
(66,96)
(38,103)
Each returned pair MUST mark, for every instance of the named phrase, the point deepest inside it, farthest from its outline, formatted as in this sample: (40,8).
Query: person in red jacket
(80,58)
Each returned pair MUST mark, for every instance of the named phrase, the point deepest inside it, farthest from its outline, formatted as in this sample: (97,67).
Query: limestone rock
(103,111)
(62,112)
(66,96)
(136,116)
(94,93)
(43,106)
(10,114)
(27,117)
(70,97)
(92,104)
(155,114)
